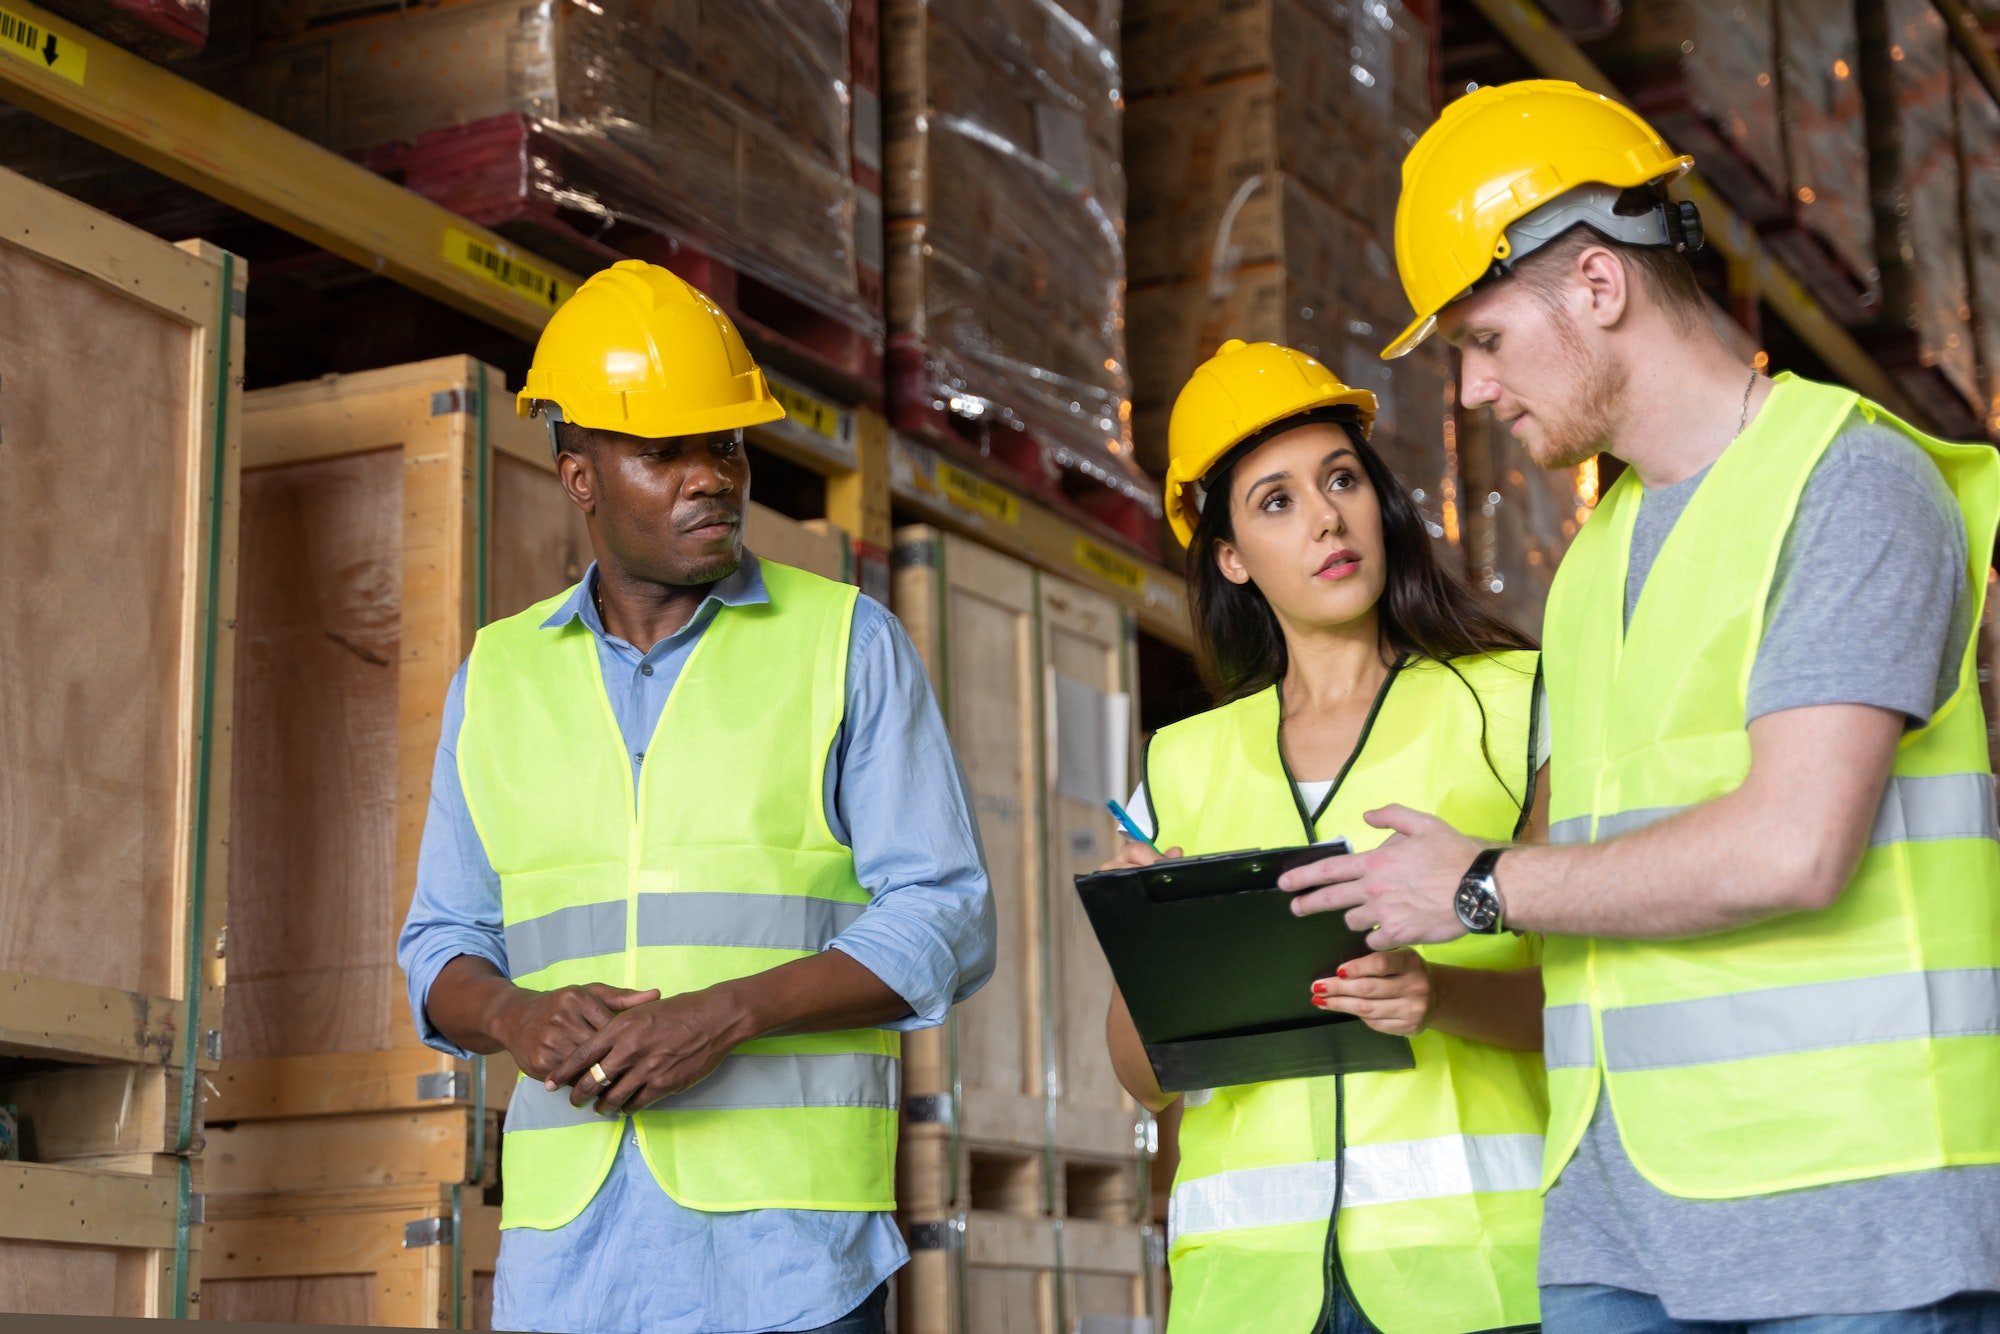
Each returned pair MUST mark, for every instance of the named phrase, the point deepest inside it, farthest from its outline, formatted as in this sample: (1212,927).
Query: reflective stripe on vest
(1392,1173)
(1959,1002)
(1914,809)
(737,921)
(1852,1041)
(741,1082)
(1439,1217)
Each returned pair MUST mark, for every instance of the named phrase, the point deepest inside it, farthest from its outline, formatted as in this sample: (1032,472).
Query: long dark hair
(1426,610)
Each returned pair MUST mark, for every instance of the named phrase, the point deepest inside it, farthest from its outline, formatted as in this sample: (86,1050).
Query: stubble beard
(1582,431)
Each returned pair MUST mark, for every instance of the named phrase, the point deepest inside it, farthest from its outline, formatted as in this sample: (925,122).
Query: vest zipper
(1336,1275)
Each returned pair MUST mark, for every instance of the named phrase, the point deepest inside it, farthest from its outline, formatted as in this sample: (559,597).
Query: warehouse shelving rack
(1753,272)
(88,86)
(84,84)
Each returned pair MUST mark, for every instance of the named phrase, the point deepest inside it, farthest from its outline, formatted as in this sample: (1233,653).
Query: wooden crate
(96,1242)
(413,1258)
(1011,1104)
(1100,1134)
(386,515)
(996,1274)
(121,357)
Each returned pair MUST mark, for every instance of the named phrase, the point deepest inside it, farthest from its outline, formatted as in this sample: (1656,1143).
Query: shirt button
(647,670)
(639,755)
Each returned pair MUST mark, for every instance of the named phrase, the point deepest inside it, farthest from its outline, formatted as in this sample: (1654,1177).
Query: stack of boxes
(1926,334)
(1264,144)
(1979,151)
(741,128)
(1829,240)
(1005,196)
(1705,74)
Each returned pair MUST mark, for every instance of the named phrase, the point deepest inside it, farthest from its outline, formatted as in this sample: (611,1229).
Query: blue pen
(1131,825)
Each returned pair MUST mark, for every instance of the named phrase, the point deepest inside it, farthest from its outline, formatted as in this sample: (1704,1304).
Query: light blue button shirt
(636,1262)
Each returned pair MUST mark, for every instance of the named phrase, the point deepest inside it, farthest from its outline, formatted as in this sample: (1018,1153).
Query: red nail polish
(1340,973)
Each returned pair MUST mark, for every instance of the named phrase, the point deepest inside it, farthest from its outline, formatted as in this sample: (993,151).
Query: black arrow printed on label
(49,51)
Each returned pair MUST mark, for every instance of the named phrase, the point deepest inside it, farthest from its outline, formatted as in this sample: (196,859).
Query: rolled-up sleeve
(456,909)
(899,798)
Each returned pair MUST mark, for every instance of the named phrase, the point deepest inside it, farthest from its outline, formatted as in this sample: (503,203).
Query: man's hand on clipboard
(1400,893)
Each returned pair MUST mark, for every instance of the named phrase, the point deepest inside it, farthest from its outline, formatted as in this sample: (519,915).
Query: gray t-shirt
(1870,608)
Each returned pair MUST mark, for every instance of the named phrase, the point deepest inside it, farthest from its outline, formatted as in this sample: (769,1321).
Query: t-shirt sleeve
(1870,604)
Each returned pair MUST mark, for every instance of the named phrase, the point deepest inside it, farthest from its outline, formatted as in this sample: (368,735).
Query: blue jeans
(871,1317)
(1601,1310)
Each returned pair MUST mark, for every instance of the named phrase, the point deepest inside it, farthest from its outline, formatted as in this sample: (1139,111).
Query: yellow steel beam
(1972,43)
(139,110)
(1552,52)
(932,487)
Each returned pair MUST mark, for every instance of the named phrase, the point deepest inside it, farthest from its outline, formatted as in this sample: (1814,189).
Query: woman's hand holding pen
(1136,854)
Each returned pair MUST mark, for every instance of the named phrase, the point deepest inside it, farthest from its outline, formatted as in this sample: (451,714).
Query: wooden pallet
(476,171)
(67,1113)
(156,29)
(1017,449)
(937,1172)
(444,1146)
(983,1273)
(414,1258)
(115,660)
(386,515)
(98,1242)
(1028,669)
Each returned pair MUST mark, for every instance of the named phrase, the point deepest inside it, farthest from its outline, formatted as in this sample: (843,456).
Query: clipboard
(1218,973)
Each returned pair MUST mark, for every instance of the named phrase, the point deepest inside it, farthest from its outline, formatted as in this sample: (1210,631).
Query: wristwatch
(1478,898)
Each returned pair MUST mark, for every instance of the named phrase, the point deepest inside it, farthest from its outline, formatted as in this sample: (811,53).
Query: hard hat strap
(1668,223)
(551,412)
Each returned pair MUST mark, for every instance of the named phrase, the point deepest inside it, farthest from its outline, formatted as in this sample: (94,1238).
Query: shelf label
(63,56)
(1107,564)
(976,495)
(468,252)
(822,419)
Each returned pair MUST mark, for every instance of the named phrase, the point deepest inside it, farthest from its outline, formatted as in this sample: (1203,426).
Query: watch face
(1477,908)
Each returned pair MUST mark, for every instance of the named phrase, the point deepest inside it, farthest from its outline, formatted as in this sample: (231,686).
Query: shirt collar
(744,588)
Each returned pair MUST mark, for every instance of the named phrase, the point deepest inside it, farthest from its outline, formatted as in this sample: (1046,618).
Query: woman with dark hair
(1350,671)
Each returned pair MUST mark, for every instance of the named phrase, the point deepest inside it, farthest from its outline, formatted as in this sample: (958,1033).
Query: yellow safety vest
(720,866)
(1858,1041)
(1436,1167)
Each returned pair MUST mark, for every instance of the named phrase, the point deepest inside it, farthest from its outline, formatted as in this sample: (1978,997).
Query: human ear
(1230,562)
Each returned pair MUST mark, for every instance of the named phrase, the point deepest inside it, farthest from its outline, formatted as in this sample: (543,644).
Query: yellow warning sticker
(976,495)
(468,252)
(62,56)
(1107,564)
(801,407)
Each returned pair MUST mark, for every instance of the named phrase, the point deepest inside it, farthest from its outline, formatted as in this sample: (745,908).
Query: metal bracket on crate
(1146,1135)
(444,1086)
(946,1235)
(445,402)
(211,1042)
(427,1232)
(197,1210)
(928,1109)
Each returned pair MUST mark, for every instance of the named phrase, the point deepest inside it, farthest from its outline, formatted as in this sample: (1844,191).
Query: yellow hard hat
(638,351)
(1238,392)
(1497,155)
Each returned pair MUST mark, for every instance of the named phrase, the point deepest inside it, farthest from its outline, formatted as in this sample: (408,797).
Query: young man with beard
(698,847)
(1773,915)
